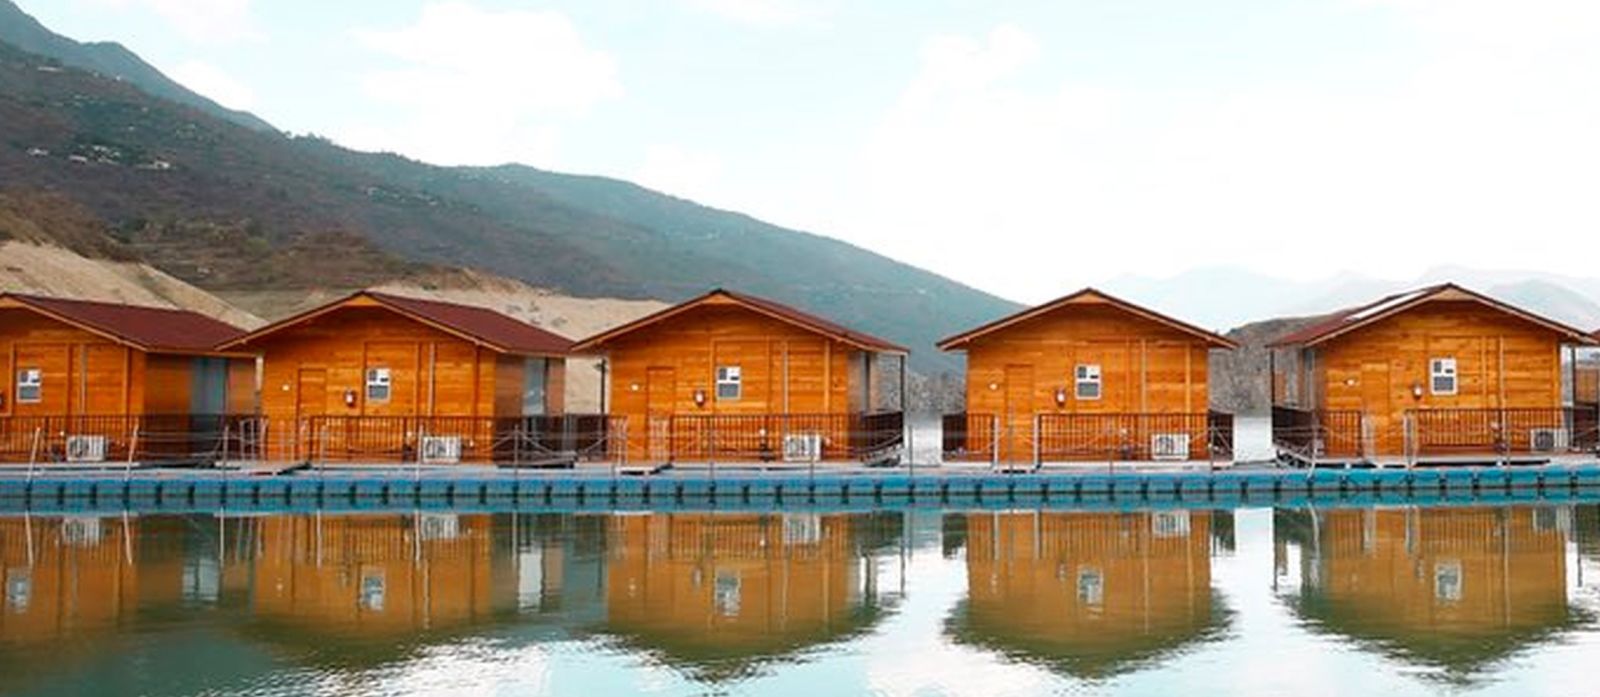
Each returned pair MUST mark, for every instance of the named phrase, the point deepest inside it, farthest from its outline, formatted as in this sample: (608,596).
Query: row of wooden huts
(1436,374)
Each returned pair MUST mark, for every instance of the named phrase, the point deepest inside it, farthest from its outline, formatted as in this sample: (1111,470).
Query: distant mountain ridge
(1224,297)
(232,208)
(112,60)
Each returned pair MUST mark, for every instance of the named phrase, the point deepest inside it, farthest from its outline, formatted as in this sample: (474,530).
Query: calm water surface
(1396,601)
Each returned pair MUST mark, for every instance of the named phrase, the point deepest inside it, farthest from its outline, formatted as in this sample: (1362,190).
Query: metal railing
(776,437)
(1315,434)
(1509,431)
(970,437)
(529,440)
(145,438)
(1134,436)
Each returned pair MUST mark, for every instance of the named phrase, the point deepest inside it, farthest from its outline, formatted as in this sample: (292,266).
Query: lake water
(1395,601)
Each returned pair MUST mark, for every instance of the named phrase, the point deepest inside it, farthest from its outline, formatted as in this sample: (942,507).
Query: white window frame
(30,378)
(729,376)
(381,377)
(1443,367)
(1086,374)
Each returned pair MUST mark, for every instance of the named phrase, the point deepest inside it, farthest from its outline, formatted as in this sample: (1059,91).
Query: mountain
(112,60)
(232,208)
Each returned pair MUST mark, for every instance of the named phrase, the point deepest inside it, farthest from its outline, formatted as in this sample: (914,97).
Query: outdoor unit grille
(77,531)
(802,447)
(441,450)
(1169,446)
(1547,440)
(86,448)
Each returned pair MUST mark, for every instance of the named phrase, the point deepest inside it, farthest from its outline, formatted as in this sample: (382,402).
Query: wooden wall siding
(1512,571)
(432,373)
(85,374)
(1029,574)
(785,369)
(1501,362)
(1146,367)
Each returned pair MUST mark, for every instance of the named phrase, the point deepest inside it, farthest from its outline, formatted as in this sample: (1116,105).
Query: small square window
(1442,376)
(1086,381)
(378,384)
(30,385)
(730,383)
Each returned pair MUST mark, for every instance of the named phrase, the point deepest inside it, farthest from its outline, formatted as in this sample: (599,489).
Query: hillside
(111,60)
(51,270)
(229,208)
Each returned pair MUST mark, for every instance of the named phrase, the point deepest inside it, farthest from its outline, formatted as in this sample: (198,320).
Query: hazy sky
(1025,148)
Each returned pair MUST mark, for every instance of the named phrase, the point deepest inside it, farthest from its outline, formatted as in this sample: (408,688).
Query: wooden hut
(1458,589)
(79,380)
(1087,377)
(729,376)
(1091,595)
(1437,374)
(375,377)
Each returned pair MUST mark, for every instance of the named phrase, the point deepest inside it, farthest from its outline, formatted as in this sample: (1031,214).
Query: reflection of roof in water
(1395,614)
(710,656)
(1090,655)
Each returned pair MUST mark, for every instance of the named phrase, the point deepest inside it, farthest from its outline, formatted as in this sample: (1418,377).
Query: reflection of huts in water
(719,594)
(73,576)
(376,574)
(1454,588)
(1088,594)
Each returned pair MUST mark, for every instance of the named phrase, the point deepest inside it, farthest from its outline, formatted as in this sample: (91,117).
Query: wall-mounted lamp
(1061,396)
(1416,390)
(350,398)
(994,386)
(633,387)
(699,398)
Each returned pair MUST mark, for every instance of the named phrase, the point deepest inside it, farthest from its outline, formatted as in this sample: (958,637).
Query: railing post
(33,450)
(1036,461)
(994,442)
(133,448)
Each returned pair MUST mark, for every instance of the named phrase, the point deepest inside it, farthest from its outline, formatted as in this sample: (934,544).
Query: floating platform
(488,489)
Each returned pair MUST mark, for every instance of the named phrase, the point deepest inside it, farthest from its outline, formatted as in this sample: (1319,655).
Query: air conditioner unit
(86,448)
(1547,440)
(1169,446)
(441,450)
(802,447)
(1165,524)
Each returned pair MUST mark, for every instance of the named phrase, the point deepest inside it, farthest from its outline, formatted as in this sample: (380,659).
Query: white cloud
(203,21)
(1483,155)
(681,171)
(215,83)
(762,12)
(475,86)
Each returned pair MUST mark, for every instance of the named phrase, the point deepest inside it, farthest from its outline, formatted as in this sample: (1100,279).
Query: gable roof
(148,329)
(1083,297)
(770,308)
(477,325)
(1350,319)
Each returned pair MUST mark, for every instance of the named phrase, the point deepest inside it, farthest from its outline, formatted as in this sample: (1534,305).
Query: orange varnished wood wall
(1501,362)
(785,370)
(1146,366)
(384,574)
(307,369)
(85,374)
(777,588)
(1031,580)
(1382,569)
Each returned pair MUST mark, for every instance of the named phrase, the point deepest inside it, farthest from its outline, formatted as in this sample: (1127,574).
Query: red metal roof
(955,342)
(771,308)
(149,329)
(1355,317)
(479,325)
